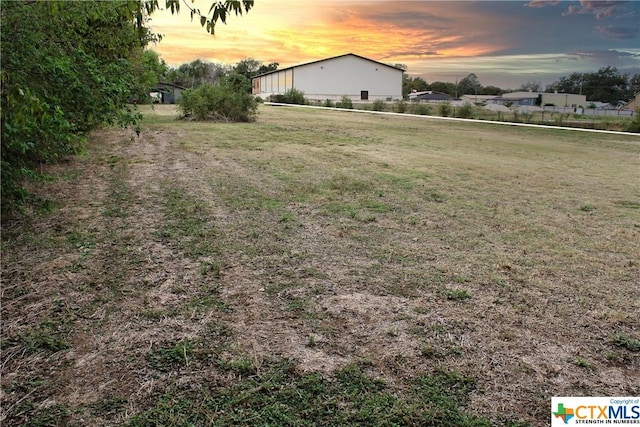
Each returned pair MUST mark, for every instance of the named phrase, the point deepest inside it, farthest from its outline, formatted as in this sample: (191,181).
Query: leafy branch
(219,10)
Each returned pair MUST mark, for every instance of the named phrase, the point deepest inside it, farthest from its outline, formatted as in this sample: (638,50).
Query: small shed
(169,93)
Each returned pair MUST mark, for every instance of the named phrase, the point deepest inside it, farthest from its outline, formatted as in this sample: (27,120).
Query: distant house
(350,75)
(430,96)
(516,98)
(633,104)
(540,99)
(168,93)
(564,100)
(477,99)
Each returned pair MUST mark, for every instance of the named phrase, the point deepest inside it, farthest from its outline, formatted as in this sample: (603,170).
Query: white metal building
(354,76)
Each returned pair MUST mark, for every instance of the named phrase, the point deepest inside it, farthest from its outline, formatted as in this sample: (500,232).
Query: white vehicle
(156,97)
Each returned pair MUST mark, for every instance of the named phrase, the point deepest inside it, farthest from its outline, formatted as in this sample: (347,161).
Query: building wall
(334,78)
(564,100)
(633,104)
(274,83)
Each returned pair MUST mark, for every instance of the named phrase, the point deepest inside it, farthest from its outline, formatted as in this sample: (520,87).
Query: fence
(591,111)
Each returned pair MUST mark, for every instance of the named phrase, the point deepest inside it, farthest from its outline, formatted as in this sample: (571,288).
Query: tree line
(607,84)
(69,67)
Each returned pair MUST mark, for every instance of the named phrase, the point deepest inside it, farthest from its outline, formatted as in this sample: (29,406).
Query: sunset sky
(505,43)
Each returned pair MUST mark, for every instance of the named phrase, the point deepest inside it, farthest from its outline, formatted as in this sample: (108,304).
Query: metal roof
(328,59)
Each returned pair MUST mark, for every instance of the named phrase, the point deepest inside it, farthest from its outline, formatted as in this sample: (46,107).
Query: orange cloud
(386,31)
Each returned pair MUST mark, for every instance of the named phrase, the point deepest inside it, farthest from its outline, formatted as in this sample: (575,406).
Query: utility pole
(457,76)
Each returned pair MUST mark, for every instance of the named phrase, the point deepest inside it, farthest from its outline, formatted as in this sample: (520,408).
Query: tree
(219,10)
(65,70)
(605,85)
(469,85)
(250,67)
(148,69)
(567,84)
(410,84)
(444,87)
(531,87)
(634,85)
(267,68)
(490,90)
(68,67)
(197,72)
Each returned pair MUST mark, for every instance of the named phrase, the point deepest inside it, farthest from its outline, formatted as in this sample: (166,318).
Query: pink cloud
(601,9)
(542,3)
(619,33)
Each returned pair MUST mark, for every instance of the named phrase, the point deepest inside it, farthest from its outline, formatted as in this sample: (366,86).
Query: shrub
(294,96)
(379,105)
(465,111)
(59,85)
(400,106)
(419,108)
(227,100)
(634,125)
(345,103)
(444,109)
(328,103)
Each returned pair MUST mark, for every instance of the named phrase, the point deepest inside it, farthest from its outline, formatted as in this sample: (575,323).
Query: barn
(350,75)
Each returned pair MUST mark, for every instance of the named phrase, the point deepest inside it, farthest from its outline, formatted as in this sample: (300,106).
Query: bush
(59,85)
(465,111)
(328,103)
(379,105)
(419,108)
(294,96)
(400,106)
(227,100)
(444,109)
(345,103)
(634,125)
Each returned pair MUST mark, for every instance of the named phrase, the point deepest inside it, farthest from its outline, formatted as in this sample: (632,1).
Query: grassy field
(323,268)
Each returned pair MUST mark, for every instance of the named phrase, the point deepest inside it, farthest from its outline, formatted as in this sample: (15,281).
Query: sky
(505,43)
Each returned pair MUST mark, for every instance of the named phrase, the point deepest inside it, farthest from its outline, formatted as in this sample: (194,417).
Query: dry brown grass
(508,254)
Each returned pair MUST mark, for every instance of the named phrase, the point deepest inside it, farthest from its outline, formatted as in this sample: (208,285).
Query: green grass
(188,225)
(456,294)
(623,341)
(281,396)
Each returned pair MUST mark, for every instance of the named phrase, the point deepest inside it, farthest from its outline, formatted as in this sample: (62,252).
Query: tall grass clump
(419,108)
(379,105)
(328,103)
(634,125)
(294,96)
(465,111)
(346,102)
(400,106)
(445,109)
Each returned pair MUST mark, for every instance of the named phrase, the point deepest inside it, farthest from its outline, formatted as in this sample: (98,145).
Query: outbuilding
(166,93)
(349,75)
